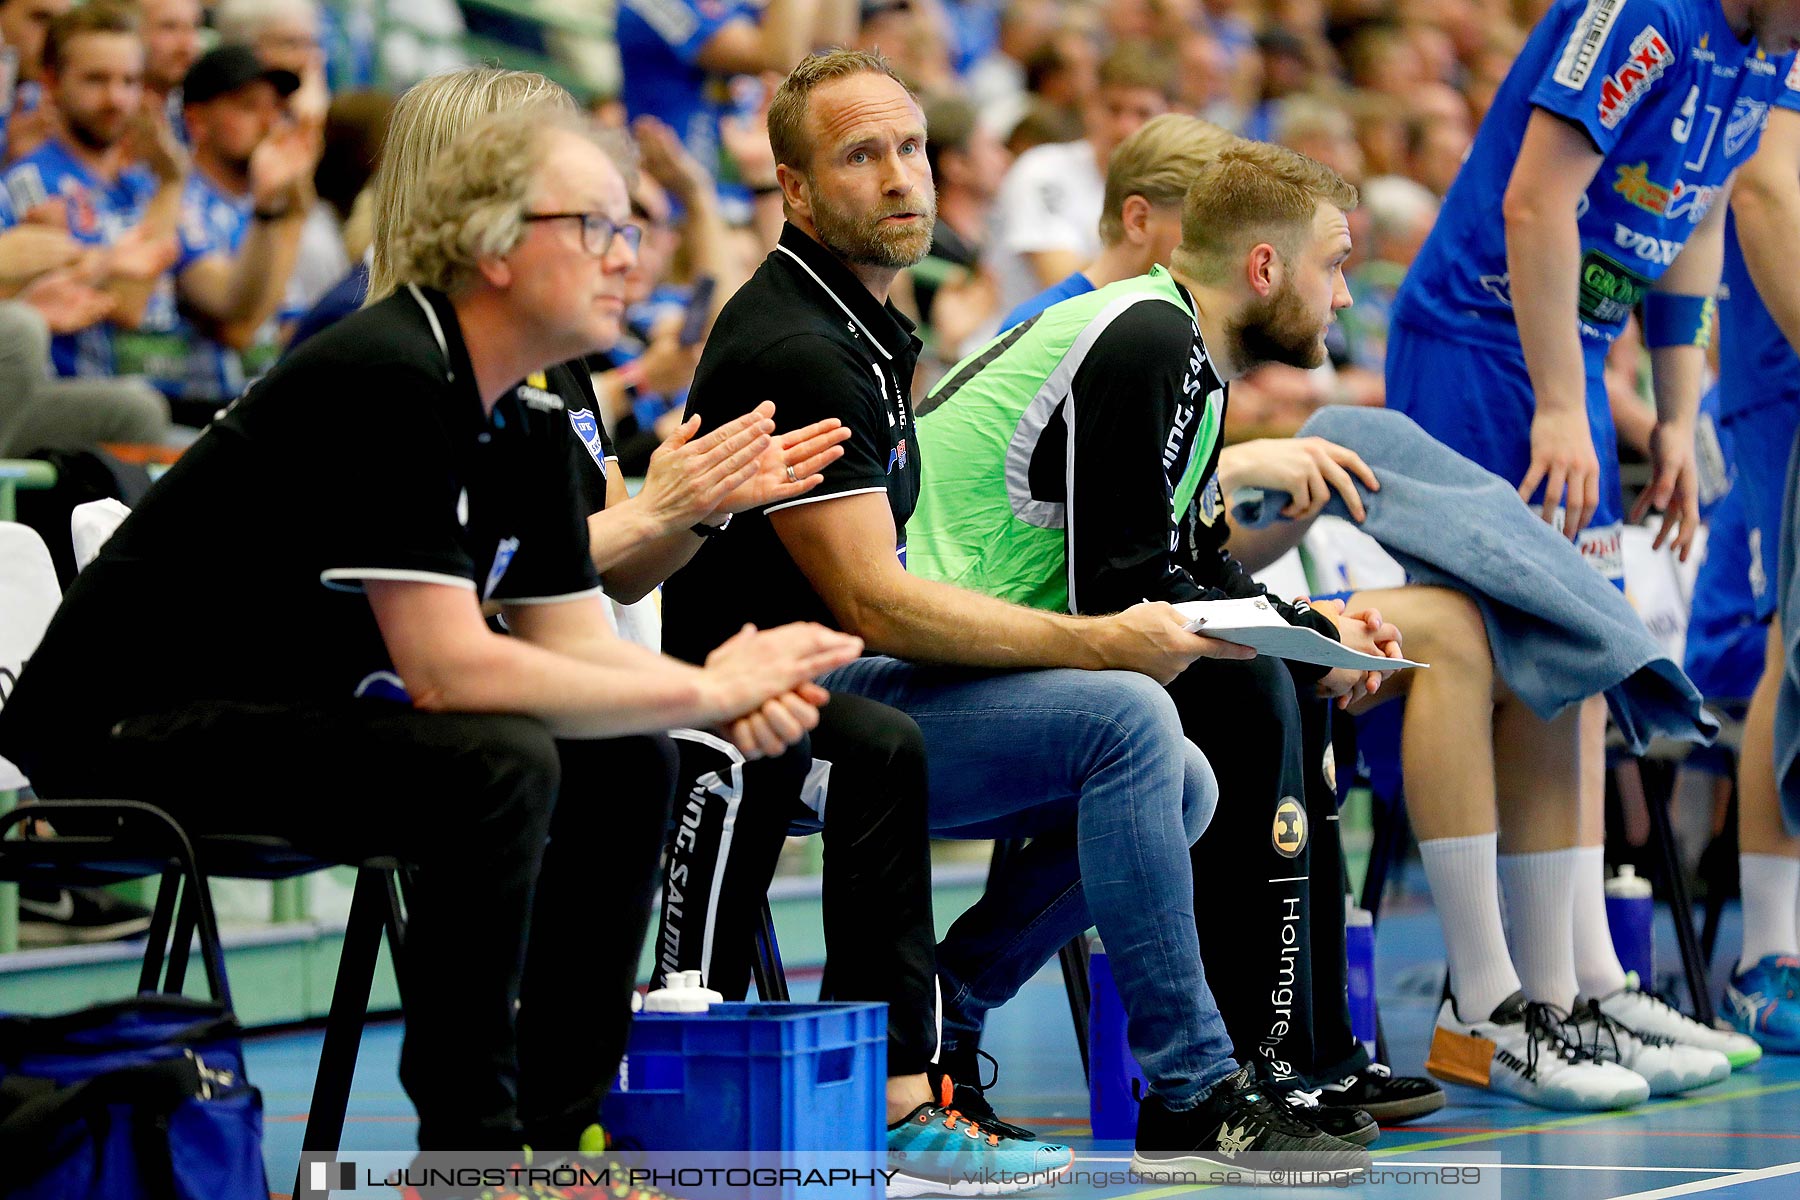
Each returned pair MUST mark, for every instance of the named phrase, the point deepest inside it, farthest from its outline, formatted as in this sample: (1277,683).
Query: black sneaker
(1351,1124)
(969,1094)
(1390,1099)
(58,916)
(1251,1134)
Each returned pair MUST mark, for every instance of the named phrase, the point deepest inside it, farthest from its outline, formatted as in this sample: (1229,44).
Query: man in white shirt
(1046,221)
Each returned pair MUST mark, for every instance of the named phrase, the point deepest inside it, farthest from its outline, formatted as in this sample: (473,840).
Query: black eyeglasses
(597,230)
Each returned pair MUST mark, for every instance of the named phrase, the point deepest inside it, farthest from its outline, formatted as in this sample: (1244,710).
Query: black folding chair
(110,841)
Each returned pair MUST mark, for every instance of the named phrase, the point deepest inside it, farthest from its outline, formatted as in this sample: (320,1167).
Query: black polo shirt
(563,400)
(805,333)
(364,455)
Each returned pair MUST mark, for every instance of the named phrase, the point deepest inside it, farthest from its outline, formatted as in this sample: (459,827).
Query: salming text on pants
(860,776)
(1254,869)
(533,868)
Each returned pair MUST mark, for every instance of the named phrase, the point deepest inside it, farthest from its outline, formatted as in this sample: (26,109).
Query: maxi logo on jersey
(1650,57)
(1682,199)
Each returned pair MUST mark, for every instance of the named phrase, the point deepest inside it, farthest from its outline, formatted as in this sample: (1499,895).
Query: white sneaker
(1667,1066)
(1645,1012)
(1524,1050)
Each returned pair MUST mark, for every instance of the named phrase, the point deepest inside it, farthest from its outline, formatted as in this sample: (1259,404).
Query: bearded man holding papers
(1076,462)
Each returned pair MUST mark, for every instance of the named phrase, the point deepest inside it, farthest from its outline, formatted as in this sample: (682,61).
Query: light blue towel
(1787,700)
(1559,632)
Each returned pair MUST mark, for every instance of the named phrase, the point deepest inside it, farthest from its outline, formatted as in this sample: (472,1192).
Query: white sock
(1540,906)
(1465,886)
(1597,966)
(1771,887)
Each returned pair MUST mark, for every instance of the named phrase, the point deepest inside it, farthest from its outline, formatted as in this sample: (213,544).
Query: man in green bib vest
(1076,469)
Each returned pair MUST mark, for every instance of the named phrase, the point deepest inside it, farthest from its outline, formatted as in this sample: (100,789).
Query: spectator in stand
(286,36)
(1321,130)
(913,34)
(954,297)
(999,82)
(1048,212)
(1381,124)
(1205,77)
(1287,70)
(108,170)
(1400,216)
(1436,147)
(1383,57)
(676,53)
(642,381)
(171,32)
(241,218)
(23,122)
(47,287)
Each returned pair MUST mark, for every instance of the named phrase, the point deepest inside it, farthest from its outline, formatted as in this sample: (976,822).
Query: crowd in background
(199,230)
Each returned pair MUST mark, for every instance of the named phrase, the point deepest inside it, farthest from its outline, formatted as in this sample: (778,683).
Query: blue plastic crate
(772,1079)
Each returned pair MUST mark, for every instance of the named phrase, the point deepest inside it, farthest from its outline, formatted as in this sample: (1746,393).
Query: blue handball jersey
(99,213)
(659,44)
(1757,366)
(1672,100)
(215,222)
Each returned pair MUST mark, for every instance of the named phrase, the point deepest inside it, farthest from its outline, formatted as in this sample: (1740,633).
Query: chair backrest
(29,594)
(91,524)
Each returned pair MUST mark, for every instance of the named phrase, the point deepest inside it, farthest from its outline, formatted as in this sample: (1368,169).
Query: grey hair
(471,202)
(428,117)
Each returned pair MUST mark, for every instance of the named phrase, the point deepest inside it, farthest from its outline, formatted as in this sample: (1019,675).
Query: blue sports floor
(1736,1140)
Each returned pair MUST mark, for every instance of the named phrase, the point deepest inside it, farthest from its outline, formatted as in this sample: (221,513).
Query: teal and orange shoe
(1765,1003)
(937,1151)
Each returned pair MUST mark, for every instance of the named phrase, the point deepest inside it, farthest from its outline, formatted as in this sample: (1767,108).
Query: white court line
(1395,1162)
(1506,1166)
(1713,1185)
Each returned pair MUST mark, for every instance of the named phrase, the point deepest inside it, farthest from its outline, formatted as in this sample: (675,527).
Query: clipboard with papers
(1253,622)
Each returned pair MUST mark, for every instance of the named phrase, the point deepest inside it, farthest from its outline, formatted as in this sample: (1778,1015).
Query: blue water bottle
(1359,953)
(1630,911)
(1115,1082)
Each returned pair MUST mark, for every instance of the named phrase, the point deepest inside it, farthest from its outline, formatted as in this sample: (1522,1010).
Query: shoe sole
(1396,1112)
(1366,1136)
(902,1184)
(1739,1059)
(1561,1101)
(1173,1170)
(1669,1084)
(40,933)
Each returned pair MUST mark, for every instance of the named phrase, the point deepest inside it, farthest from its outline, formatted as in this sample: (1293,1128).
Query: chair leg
(1074,959)
(1681,908)
(349,1006)
(765,963)
(394,918)
(156,940)
(1387,846)
(175,979)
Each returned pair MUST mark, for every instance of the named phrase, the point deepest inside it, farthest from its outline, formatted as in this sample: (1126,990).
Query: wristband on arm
(1674,320)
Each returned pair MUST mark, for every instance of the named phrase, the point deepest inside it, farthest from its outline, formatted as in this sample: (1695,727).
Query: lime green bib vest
(977,524)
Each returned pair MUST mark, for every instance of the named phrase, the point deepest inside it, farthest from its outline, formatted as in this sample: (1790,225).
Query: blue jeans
(1092,766)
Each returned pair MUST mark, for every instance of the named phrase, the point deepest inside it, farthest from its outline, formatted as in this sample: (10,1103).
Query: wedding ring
(792,478)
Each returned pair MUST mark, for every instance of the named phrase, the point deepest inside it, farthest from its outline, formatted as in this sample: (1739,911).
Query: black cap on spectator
(1280,42)
(228,68)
